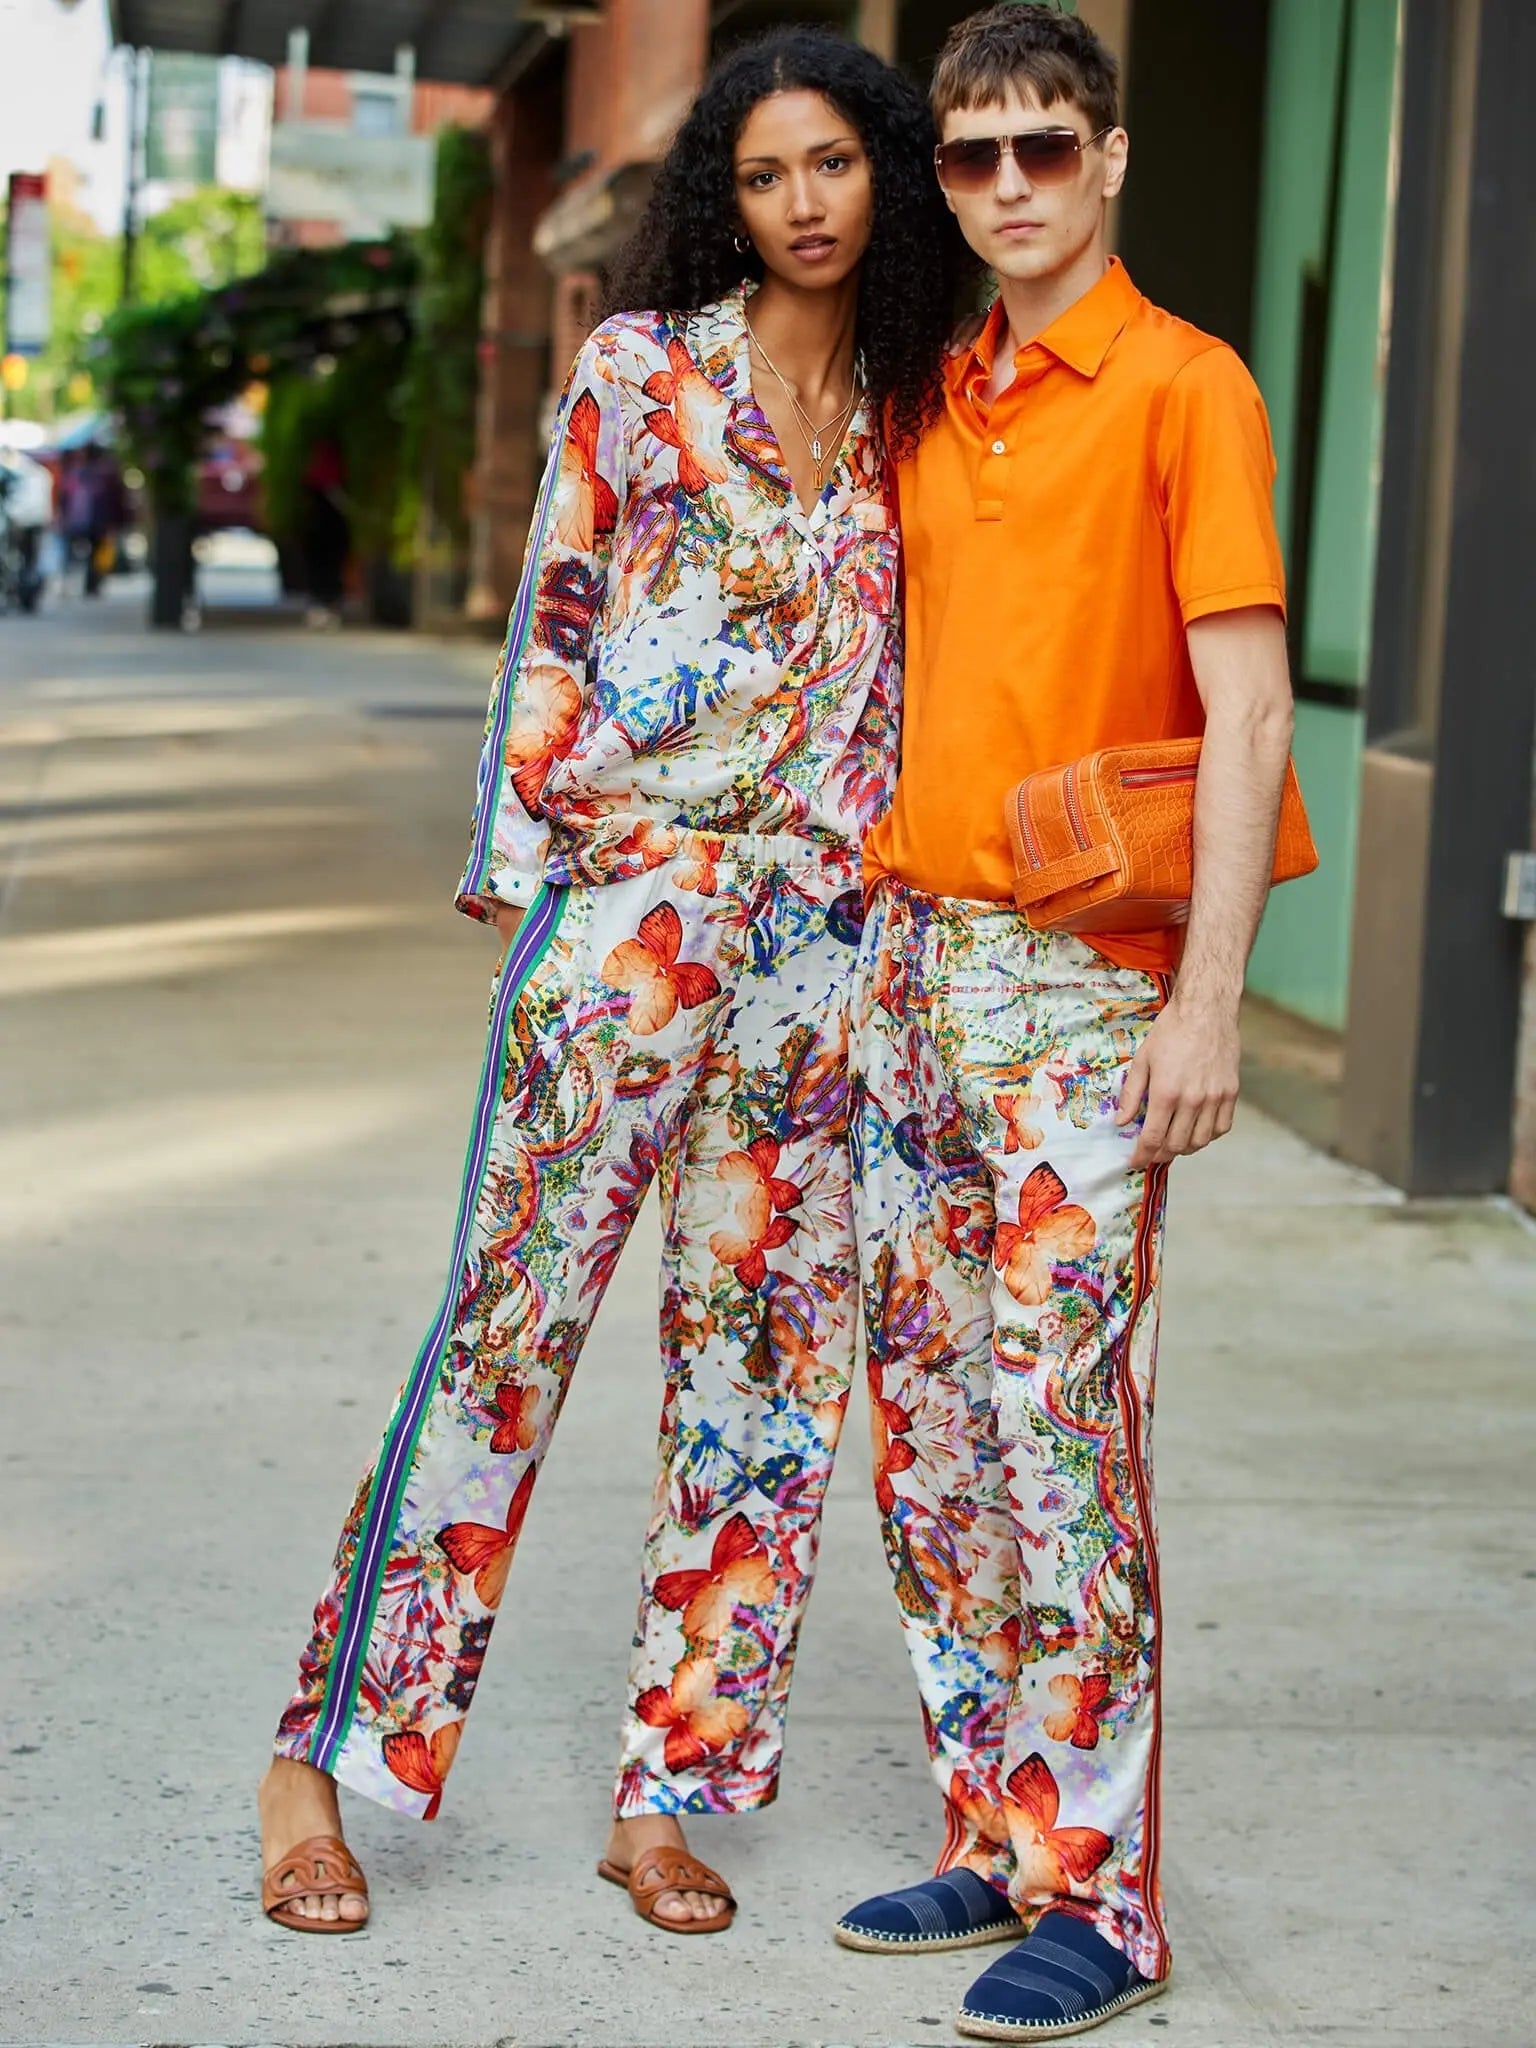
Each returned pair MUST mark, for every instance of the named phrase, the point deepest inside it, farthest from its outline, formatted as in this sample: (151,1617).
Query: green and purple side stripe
(534,937)
(493,752)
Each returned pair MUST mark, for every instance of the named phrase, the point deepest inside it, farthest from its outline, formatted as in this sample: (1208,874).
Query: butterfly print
(646,846)
(980,1816)
(649,966)
(700,870)
(629,773)
(723,679)
(693,421)
(893,1451)
(542,729)
(423,1762)
(1082,1701)
(1049,1228)
(698,1724)
(1020,1537)
(759,1200)
(1051,1859)
(1003,1647)
(483,1553)
(518,1407)
(740,1574)
(955,1230)
(586,505)
(1015,1111)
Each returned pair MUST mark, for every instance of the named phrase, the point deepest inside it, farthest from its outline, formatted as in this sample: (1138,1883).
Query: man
(1090,560)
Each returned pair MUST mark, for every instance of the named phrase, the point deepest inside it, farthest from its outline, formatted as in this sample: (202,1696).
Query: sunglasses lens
(969,166)
(1048,157)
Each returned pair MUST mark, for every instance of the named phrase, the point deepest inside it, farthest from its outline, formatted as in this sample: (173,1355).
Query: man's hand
(1185,1077)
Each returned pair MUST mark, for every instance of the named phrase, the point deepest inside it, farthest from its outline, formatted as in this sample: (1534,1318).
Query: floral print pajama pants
(689,1024)
(1010,1270)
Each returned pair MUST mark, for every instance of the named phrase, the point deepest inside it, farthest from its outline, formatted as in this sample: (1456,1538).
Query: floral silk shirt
(690,650)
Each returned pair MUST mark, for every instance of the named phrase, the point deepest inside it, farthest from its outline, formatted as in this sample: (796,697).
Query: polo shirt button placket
(992,481)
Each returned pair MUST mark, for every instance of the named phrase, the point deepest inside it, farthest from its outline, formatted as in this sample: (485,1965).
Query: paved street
(239,1033)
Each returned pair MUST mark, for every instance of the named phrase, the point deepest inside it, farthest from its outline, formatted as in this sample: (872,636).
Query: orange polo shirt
(1056,545)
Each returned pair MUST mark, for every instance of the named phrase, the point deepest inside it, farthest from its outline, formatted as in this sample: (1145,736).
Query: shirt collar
(1080,337)
(716,338)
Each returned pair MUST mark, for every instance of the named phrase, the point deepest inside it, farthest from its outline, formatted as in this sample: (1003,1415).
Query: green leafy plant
(442,377)
(164,369)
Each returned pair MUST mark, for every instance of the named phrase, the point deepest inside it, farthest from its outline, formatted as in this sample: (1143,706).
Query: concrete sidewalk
(241,1029)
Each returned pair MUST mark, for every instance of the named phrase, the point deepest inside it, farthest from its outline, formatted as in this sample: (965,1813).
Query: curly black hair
(682,256)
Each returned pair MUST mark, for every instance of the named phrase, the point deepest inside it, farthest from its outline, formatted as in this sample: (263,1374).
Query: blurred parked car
(229,486)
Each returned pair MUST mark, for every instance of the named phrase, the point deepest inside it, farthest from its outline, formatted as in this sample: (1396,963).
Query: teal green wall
(1302,956)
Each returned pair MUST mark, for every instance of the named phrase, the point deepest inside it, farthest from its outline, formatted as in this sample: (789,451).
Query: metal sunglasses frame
(1009,145)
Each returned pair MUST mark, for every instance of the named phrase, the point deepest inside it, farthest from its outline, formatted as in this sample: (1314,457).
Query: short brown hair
(1039,50)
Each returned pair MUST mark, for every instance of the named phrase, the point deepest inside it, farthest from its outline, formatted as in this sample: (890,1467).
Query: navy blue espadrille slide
(1065,1979)
(957,1910)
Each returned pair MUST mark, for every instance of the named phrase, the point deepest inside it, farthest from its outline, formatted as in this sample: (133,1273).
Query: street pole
(131,187)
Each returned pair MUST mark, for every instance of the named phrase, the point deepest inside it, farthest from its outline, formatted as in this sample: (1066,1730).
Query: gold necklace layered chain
(815,436)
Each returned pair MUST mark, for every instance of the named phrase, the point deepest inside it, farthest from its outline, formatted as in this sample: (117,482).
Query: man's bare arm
(1186,1073)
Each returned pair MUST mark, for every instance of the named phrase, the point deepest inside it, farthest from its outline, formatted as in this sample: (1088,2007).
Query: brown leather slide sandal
(662,1870)
(323,1866)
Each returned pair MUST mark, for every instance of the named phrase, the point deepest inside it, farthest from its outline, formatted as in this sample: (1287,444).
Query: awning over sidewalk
(457,42)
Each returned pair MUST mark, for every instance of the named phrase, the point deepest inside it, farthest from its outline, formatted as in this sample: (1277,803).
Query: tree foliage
(198,243)
(443,373)
(165,368)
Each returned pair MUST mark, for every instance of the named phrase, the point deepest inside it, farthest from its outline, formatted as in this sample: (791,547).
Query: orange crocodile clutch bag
(1107,844)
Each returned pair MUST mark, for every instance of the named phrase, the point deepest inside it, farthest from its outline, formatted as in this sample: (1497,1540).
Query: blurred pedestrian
(26,507)
(693,724)
(327,532)
(91,512)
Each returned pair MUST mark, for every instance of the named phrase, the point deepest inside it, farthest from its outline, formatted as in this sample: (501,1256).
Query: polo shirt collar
(1080,337)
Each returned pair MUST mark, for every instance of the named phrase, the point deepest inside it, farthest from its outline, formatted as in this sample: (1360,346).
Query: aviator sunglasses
(1045,156)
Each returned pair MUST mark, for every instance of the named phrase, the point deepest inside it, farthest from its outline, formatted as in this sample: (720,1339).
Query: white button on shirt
(999,447)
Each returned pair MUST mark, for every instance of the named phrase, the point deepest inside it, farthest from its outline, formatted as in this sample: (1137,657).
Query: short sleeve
(1216,474)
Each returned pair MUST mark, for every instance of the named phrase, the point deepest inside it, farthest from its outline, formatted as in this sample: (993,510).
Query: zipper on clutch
(1027,827)
(1074,815)
(1153,778)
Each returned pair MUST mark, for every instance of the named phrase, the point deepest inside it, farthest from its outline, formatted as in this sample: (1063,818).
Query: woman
(694,722)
